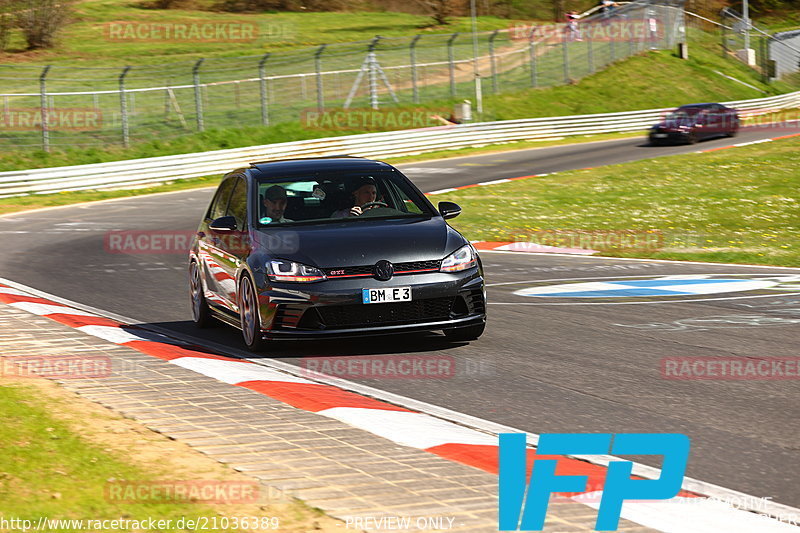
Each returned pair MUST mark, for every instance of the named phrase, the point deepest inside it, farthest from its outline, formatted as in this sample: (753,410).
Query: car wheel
(201,314)
(249,316)
(469,333)
(691,138)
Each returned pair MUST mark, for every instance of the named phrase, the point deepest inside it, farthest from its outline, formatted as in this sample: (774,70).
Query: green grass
(50,471)
(85,42)
(740,205)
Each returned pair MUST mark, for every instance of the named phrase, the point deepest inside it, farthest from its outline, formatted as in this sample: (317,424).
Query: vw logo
(383,270)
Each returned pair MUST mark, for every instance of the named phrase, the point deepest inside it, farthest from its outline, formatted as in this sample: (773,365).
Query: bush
(41,20)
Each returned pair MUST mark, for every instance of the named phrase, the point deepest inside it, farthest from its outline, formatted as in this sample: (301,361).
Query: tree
(41,20)
(440,10)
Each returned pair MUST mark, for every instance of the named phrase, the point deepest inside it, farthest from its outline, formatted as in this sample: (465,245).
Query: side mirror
(223,224)
(449,210)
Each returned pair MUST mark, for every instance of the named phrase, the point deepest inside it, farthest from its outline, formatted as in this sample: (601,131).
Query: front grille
(417,265)
(409,267)
(427,310)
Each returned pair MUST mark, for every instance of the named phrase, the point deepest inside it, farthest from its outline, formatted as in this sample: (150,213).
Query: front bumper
(333,308)
(669,137)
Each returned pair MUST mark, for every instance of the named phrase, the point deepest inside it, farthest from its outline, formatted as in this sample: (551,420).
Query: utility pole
(746,15)
(476,71)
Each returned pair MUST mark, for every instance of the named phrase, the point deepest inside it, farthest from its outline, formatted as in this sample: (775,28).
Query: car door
(702,123)
(208,247)
(234,247)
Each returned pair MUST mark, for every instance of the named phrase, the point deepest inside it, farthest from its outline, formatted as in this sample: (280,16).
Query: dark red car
(690,123)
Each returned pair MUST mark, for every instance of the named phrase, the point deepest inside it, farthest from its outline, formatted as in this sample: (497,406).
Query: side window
(220,203)
(237,207)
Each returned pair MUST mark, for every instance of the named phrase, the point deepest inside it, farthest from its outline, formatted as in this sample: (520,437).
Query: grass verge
(740,205)
(60,452)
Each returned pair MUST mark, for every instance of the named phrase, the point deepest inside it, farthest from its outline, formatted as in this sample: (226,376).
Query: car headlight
(462,259)
(279,270)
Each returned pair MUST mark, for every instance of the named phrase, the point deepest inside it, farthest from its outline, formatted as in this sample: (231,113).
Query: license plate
(377,296)
(660,135)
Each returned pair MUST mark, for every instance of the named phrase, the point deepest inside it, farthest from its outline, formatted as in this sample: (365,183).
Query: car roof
(692,106)
(315,165)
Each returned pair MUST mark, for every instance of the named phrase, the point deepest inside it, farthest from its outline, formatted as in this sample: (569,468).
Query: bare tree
(559,10)
(440,10)
(7,9)
(41,20)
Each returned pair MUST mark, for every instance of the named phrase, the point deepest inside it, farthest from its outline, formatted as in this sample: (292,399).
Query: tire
(691,138)
(249,319)
(469,333)
(201,314)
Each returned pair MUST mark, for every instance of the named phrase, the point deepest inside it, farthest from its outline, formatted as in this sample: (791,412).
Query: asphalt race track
(569,358)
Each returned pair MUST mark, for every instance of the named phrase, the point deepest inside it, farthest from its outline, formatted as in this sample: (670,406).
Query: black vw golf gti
(312,248)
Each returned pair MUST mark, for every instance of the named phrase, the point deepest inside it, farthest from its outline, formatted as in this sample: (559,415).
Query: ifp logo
(619,486)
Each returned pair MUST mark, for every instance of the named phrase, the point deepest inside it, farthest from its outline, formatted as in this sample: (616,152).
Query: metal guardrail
(136,172)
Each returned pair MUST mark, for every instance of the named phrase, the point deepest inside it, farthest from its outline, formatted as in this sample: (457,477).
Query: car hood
(361,243)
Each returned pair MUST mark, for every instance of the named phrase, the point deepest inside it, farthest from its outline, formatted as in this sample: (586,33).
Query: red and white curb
(690,512)
(529,248)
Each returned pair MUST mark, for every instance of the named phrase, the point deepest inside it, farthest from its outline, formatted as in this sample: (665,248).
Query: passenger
(362,192)
(574,34)
(275,203)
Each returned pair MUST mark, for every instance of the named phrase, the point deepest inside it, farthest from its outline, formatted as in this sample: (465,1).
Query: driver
(363,191)
(275,200)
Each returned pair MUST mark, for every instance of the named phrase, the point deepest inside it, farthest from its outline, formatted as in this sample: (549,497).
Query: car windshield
(683,116)
(341,197)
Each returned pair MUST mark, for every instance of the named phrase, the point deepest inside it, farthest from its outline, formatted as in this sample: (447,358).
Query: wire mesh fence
(774,56)
(65,106)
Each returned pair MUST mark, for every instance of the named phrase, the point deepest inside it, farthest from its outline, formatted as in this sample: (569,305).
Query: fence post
(612,41)
(450,61)
(631,41)
(373,72)
(532,52)
(493,60)
(123,107)
(413,53)
(43,105)
(724,38)
(590,51)
(318,70)
(565,58)
(262,81)
(198,98)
